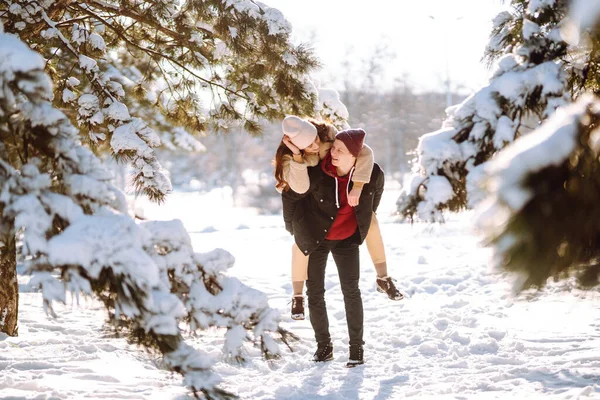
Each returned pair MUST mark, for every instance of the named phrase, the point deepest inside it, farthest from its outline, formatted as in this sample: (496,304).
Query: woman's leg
(299,270)
(385,284)
(376,247)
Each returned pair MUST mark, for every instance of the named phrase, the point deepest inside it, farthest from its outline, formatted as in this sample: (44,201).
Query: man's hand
(354,196)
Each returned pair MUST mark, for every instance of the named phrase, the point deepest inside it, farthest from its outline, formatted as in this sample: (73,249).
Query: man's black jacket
(309,216)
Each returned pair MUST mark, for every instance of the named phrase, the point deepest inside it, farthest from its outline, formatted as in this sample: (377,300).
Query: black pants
(345,255)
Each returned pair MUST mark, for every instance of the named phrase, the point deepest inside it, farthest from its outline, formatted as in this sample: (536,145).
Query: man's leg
(345,254)
(315,290)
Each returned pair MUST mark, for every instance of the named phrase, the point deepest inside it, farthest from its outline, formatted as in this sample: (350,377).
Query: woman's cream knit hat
(302,133)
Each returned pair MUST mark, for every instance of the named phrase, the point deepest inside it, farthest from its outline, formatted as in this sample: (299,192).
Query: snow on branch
(211,298)
(540,214)
(129,75)
(585,13)
(76,236)
(530,82)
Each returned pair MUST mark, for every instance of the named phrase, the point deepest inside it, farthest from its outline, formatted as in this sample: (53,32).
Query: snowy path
(458,334)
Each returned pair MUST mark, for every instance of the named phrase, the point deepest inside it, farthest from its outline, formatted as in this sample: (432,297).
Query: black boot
(298,307)
(356,356)
(386,285)
(324,352)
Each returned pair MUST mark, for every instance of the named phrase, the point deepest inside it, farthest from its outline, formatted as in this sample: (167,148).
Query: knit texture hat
(302,133)
(353,139)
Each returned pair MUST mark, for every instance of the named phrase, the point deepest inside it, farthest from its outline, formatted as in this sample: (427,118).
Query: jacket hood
(328,168)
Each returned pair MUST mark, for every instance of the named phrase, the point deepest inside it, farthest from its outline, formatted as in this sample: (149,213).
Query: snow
(501,18)
(97,42)
(550,145)
(15,56)
(505,132)
(86,186)
(276,22)
(125,138)
(87,63)
(529,29)
(72,81)
(535,6)
(186,141)
(437,147)
(43,114)
(98,242)
(507,62)
(439,190)
(88,105)
(483,116)
(117,111)
(586,12)
(459,333)
(31,215)
(68,96)
(331,103)
(290,59)
(221,50)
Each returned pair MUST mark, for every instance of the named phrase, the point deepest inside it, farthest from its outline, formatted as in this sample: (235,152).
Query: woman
(304,144)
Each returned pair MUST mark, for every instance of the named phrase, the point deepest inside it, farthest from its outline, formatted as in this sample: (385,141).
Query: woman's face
(314,146)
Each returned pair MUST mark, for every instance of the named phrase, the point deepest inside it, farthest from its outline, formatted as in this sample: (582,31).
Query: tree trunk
(9,286)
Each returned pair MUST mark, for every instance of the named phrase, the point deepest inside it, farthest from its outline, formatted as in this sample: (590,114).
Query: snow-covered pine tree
(331,109)
(533,78)
(541,215)
(126,72)
(74,235)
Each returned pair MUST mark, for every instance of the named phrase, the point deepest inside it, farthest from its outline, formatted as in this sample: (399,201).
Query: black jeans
(345,255)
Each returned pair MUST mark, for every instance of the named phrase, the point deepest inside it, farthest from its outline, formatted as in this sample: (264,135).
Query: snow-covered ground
(460,333)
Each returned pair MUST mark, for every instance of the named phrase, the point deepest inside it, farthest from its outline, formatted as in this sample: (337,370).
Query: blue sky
(349,31)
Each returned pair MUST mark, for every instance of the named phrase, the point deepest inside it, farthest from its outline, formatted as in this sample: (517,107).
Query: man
(323,221)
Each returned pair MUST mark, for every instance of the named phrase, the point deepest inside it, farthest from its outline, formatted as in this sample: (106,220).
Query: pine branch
(91,78)
(155,53)
(126,12)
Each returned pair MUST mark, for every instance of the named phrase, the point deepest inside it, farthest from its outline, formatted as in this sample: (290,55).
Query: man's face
(340,156)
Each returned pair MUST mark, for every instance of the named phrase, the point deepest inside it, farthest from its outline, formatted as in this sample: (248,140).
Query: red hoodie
(345,223)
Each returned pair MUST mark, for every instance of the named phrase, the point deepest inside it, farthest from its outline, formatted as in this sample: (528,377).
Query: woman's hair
(282,150)
(322,129)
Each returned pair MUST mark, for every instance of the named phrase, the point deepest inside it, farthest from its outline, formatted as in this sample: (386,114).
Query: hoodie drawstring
(349,180)
(337,193)
(337,188)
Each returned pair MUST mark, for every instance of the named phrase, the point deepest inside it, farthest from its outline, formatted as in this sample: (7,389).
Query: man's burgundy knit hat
(353,139)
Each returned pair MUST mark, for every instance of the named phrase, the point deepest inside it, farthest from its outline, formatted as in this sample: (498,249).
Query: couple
(330,189)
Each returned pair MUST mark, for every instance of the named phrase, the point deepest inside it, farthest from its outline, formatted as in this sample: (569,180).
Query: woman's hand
(354,196)
(295,150)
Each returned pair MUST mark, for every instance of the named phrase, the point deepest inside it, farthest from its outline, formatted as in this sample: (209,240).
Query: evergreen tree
(537,72)
(133,75)
(541,214)
(76,236)
(127,72)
